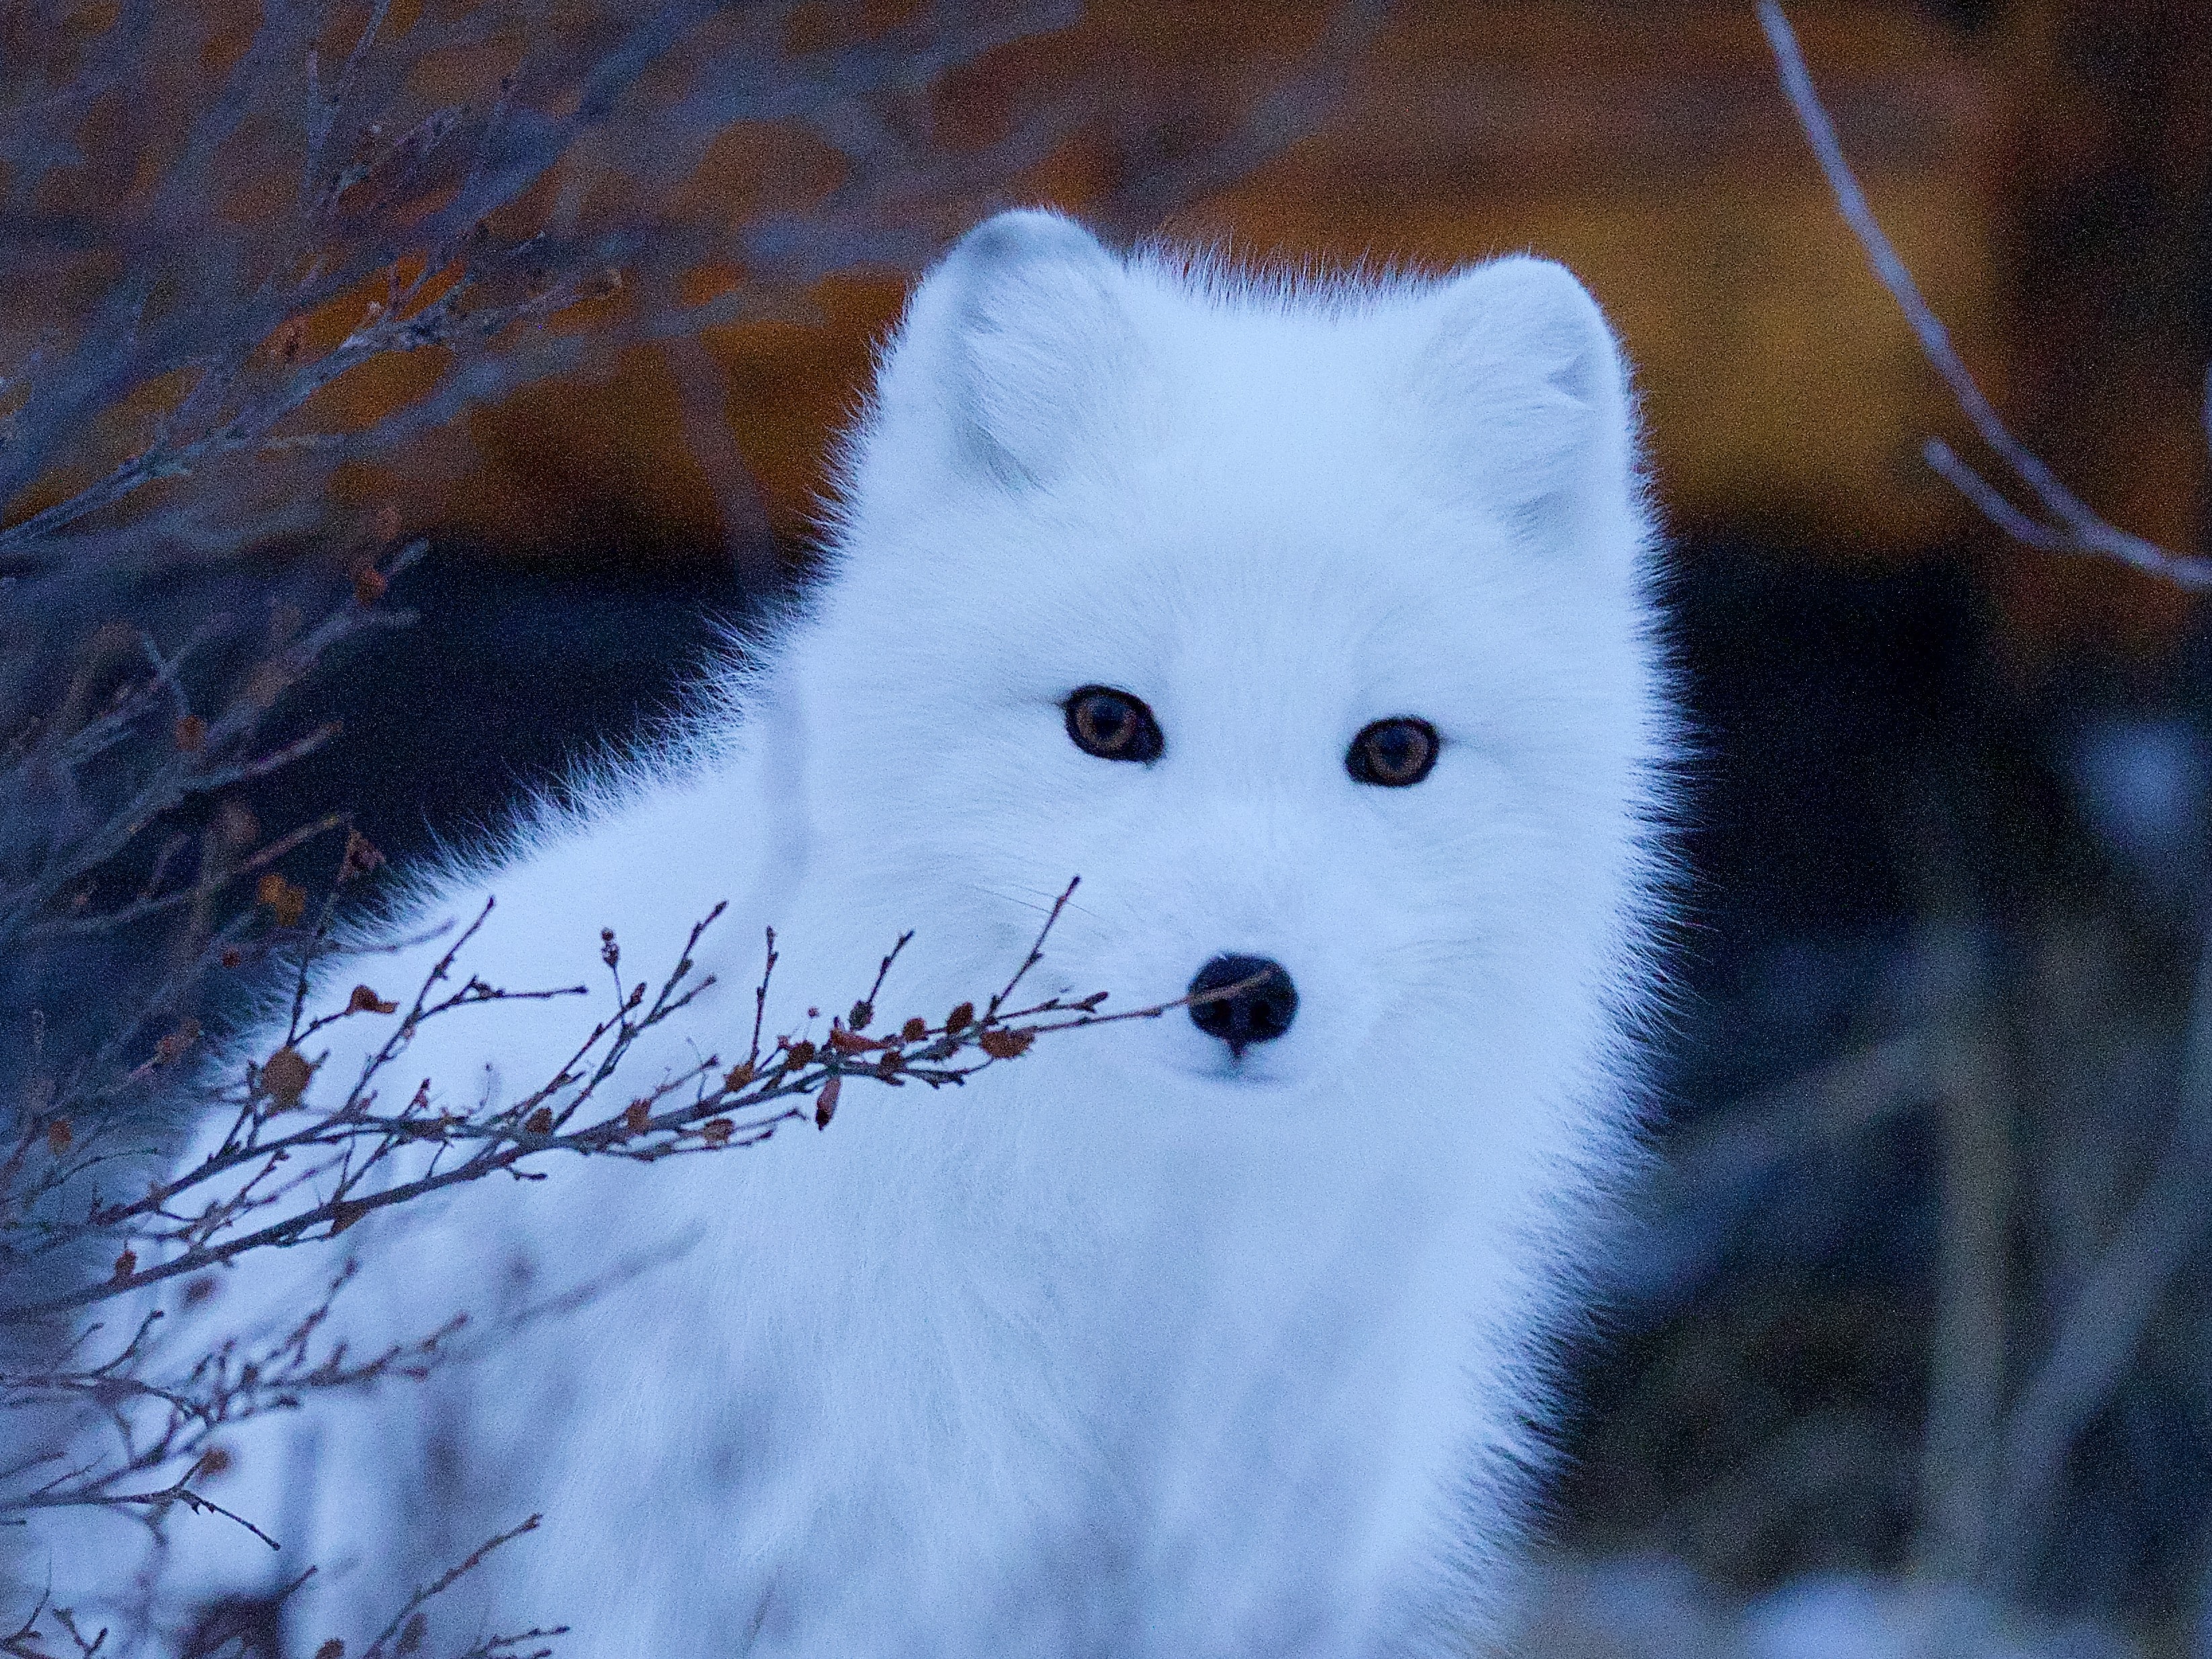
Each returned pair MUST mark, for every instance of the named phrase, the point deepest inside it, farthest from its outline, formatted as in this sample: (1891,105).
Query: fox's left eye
(1393,753)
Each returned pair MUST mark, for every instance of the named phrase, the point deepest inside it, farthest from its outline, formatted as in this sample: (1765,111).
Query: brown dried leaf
(961,1017)
(716,1131)
(825,1103)
(190,735)
(215,1460)
(915,1030)
(845,1042)
(59,1134)
(637,1116)
(285,1076)
(540,1123)
(799,1053)
(366,1002)
(333,1648)
(738,1076)
(125,1264)
(368,585)
(286,902)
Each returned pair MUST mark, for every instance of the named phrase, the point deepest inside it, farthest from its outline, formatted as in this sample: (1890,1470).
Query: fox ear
(1529,394)
(1017,346)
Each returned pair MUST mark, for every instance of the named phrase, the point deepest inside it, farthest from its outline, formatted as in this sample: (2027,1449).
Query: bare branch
(2077,529)
(319,1174)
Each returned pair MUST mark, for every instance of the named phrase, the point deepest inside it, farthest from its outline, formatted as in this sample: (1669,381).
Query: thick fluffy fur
(1129,1348)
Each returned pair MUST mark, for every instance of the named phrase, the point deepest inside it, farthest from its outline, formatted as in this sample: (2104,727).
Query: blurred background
(1908,1350)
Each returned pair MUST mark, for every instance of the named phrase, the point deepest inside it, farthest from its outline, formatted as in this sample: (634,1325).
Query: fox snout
(1243,1001)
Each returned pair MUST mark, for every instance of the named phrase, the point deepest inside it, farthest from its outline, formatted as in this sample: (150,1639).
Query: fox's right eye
(1112,725)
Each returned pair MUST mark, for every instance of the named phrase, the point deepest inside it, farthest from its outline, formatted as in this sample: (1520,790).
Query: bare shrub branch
(2067,524)
(266,1185)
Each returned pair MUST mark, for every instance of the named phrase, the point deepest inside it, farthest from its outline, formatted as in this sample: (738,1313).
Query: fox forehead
(1225,597)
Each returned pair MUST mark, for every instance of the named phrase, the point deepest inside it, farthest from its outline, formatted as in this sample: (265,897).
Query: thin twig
(2077,529)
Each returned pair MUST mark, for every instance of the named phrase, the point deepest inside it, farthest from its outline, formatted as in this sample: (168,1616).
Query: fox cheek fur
(1215,1334)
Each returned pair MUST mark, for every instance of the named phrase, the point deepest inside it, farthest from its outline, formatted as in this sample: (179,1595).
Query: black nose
(1244,1000)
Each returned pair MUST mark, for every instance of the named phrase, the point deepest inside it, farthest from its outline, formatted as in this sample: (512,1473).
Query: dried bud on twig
(960,1018)
(59,1134)
(173,1047)
(1006,1045)
(266,684)
(286,902)
(366,1002)
(190,735)
(361,858)
(825,1103)
(286,1076)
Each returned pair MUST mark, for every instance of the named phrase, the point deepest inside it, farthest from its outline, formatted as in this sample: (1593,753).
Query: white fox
(1309,625)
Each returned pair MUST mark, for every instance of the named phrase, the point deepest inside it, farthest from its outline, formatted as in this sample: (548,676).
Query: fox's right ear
(1016,353)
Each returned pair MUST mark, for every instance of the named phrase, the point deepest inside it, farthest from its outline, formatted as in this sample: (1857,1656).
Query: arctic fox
(1309,625)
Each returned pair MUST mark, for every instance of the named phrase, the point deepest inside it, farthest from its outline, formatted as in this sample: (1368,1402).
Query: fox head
(1307,624)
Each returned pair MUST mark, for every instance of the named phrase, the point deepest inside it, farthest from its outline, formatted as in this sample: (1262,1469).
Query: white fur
(1127,1348)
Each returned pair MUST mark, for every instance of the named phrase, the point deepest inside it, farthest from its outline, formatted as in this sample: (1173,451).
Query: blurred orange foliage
(1646,147)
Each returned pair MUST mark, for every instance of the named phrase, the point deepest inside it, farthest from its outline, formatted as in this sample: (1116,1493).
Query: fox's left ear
(1017,352)
(1528,392)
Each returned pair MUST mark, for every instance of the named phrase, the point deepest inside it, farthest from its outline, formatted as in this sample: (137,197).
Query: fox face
(1306,628)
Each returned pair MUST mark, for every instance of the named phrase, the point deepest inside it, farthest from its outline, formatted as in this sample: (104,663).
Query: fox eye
(1112,725)
(1393,753)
